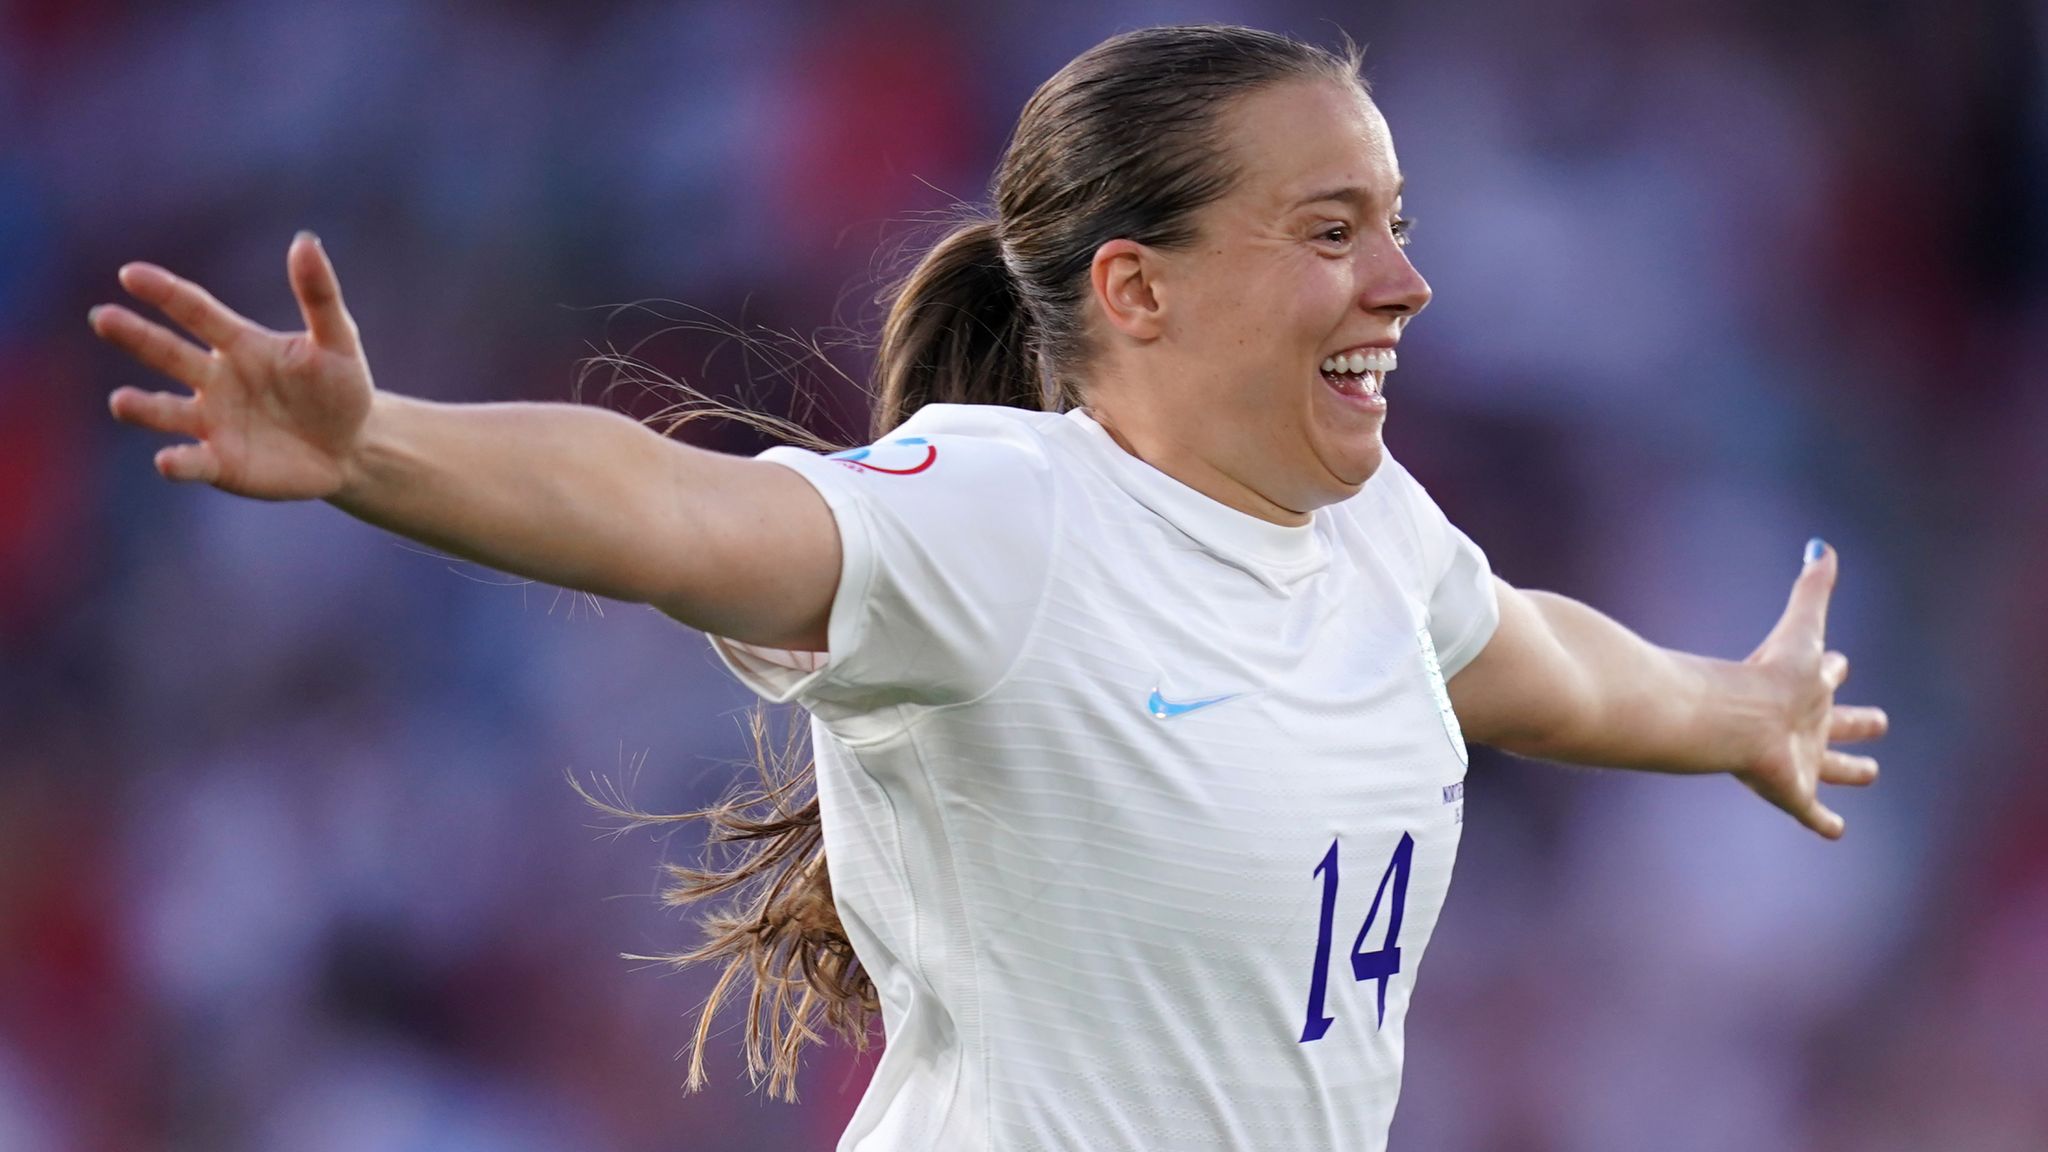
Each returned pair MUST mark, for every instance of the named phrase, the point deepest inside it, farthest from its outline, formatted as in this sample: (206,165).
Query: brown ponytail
(1120,143)
(765,849)
(958,332)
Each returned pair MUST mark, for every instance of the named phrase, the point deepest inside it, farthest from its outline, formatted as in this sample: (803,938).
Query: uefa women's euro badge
(905,457)
(1442,694)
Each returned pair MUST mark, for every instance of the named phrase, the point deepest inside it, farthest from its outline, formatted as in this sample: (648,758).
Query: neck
(1186,464)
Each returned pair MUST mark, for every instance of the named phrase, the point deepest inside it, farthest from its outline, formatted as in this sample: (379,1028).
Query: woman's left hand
(1794,758)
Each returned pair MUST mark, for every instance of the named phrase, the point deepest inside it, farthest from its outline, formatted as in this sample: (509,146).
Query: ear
(1126,277)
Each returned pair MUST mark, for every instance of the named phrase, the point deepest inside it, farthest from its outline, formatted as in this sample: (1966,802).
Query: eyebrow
(1352,195)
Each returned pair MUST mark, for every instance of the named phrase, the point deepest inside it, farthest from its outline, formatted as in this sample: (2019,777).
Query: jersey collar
(1277,554)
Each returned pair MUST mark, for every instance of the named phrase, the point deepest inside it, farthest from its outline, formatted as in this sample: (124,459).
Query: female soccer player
(1141,675)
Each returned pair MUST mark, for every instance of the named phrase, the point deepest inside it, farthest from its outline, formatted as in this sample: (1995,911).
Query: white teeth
(1375,360)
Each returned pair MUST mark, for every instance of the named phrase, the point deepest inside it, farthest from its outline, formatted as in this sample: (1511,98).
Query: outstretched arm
(1561,681)
(580,497)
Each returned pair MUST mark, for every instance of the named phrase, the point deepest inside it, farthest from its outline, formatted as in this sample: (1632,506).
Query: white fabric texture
(1110,771)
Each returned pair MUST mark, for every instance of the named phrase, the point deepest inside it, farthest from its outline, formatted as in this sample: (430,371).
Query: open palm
(1795,758)
(275,415)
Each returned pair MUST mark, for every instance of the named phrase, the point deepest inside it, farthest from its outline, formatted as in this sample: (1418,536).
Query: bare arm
(587,498)
(580,497)
(1561,681)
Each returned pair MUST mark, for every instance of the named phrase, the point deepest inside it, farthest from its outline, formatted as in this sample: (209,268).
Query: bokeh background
(288,856)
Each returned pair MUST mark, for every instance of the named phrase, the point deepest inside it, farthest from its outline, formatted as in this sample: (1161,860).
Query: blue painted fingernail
(1815,549)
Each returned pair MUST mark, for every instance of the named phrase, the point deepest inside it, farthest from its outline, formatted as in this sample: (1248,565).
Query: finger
(1844,768)
(188,463)
(319,292)
(1849,724)
(193,307)
(154,345)
(159,411)
(1823,820)
(1834,668)
(1806,614)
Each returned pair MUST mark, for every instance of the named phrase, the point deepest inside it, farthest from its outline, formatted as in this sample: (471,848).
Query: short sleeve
(945,550)
(1454,578)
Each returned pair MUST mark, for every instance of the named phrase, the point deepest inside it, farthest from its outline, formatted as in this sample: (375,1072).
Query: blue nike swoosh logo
(1163,709)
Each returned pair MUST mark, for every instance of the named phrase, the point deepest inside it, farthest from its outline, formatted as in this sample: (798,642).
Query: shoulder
(947,530)
(990,420)
(944,450)
(1395,516)
(959,441)
(1011,431)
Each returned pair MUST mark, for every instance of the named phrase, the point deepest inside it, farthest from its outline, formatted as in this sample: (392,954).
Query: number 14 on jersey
(1379,964)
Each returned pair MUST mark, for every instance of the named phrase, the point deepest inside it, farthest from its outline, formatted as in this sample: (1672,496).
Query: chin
(1355,454)
(1345,469)
(1361,465)
(1346,440)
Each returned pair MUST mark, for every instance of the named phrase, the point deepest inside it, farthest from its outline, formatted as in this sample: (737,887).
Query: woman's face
(1300,263)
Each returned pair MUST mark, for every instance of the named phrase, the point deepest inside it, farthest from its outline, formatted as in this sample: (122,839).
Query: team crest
(1442,694)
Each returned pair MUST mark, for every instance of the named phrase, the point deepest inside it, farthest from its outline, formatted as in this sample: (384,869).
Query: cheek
(1257,319)
(1290,313)
(1306,298)
(1325,294)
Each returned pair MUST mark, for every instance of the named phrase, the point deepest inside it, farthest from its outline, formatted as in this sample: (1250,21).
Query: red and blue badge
(905,457)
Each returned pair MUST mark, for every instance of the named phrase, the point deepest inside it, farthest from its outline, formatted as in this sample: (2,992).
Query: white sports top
(1139,810)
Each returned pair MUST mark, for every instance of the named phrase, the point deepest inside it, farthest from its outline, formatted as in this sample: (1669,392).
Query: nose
(1390,284)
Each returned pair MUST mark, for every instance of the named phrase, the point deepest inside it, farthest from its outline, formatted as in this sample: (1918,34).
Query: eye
(1400,228)
(1339,234)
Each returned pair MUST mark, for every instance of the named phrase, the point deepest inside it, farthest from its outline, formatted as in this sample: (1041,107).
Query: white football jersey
(1139,810)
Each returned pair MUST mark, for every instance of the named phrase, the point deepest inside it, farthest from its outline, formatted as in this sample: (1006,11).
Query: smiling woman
(1124,642)
(1235,387)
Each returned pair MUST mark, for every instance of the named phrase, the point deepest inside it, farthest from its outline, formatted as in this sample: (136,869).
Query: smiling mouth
(1361,373)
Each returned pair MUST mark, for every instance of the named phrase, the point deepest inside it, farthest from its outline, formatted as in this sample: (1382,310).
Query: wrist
(375,441)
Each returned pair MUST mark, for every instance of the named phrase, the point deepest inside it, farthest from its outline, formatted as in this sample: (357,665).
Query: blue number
(1380,964)
(1319,983)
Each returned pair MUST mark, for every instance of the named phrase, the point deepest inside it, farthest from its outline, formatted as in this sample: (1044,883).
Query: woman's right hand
(276,415)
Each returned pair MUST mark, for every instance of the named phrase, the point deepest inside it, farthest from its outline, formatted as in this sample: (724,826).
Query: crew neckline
(1276,553)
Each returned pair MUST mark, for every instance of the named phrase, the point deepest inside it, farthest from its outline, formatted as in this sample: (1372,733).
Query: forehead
(1303,138)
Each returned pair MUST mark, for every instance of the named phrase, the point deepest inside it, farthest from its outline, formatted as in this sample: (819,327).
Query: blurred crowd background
(288,854)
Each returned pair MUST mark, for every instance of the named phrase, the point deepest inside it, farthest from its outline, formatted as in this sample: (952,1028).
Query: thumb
(319,294)
(1806,614)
